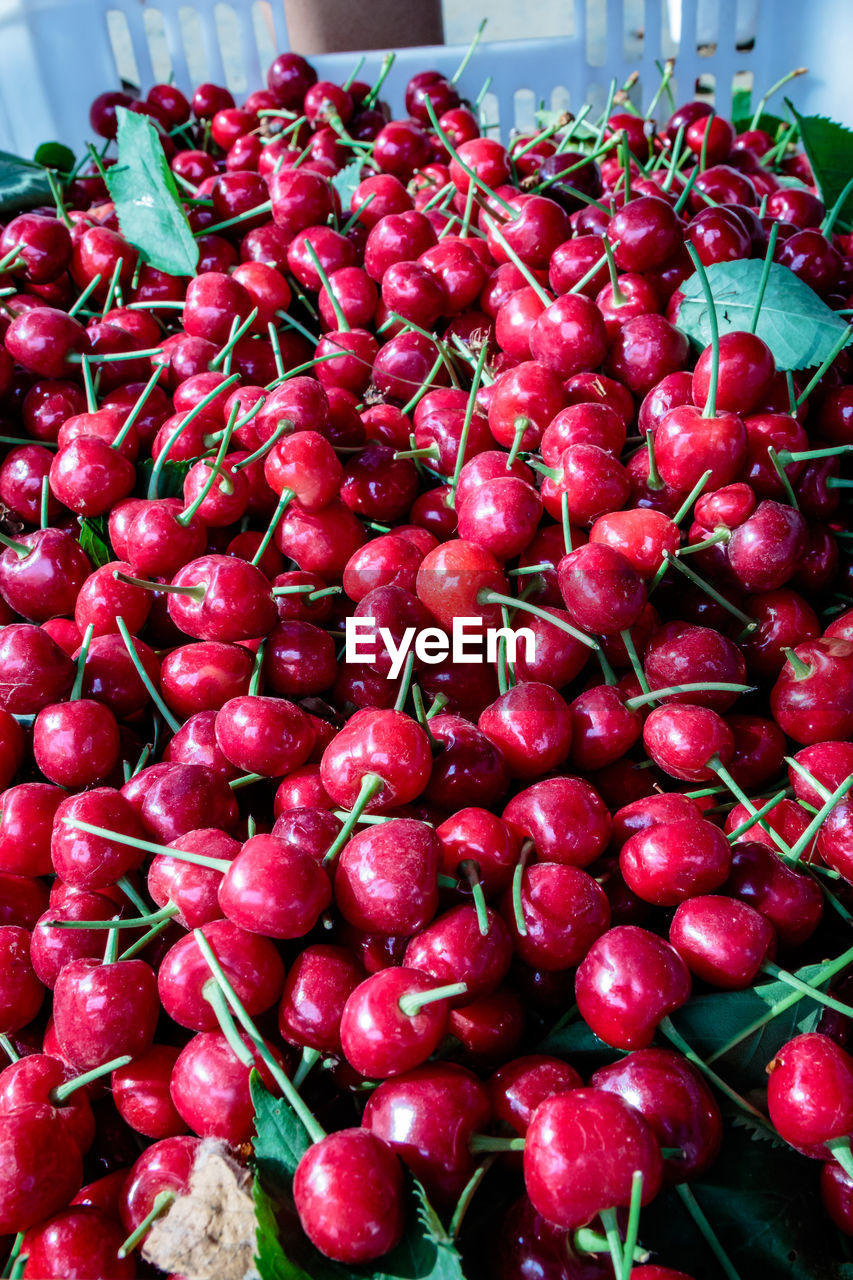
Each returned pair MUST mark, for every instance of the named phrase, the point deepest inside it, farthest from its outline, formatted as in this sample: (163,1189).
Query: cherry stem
(667,1029)
(132,417)
(18,547)
(15,1264)
(371,785)
(588,1241)
(63,1091)
(162,1202)
(781,1006)
(801,669)
(412,1003)
(9,1049)
(289,1092)
(136,922)
(653,695)
(154,482)
(674,563)
(485,1143)
(765,277)
(691,497)
(835,212)
(610,1223)
(111,949)
(581,284)
(238,328)
(405,683)
(739,794)
(783,477)
(706,1230)
(471,872)
(722,535)
(421,717)
(756,817)
(153,692)
(487,596)
(148,936)
(631,649)
(310,1057)
(148,846)
(625,156)
(195,593)
(287,496)
(340,319)
(774,88)
(791,980)
(654,480)
(823,792)
(820,817)
(541,293)
(841,343)
(632,1230)
(619,298)
(468,1192)
(518,874)
(472,176)
(114,357)
(239,218)
(387,64)
(184,517)
(710,409)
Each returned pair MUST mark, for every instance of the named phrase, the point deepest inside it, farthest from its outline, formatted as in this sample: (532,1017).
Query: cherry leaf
(829,148)
(148,205)
(281,1138)
(797,325)
(345,182)
(426,1252)
(271,1260)
(23,184)
(95,540)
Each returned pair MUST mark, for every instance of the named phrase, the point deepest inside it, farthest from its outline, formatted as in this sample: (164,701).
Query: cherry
(35,671)
(88,861)
(784,619)
(763,551)
(531,725)
(386,744)
(685,740)
(602,590)
(675,1102)
(810,1094)
(33,1079)
(42,1166)
(791,901)
(581,1151)
(77,1242)
(21,993)
(588,481)
(76,744)
(103,1011)
(348,1191)
(269,736)
(722,940)
(674,861)
(210,1087)
(315,993)
(454,947)
(26,823)
(563,911)
(644,351)
(386,878)
(812,699)
(22,475)
(630,980)
(394,1021)
(745,369)
(251,964)
(274,889)
(565,818)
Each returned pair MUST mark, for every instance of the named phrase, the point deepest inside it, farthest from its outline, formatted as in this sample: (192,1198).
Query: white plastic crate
(56,55)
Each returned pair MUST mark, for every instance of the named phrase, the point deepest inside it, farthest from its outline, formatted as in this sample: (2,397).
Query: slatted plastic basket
(55,55)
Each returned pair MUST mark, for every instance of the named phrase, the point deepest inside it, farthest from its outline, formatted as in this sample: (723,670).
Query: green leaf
(763,1205)
(426,1252)
(769,123)
(797,325)
(829,147)
(741,105)
(272,1261)
(281,1137)
(345,182)
(147,201)
(172,475)
(23,184)
(95,540)
(55,155)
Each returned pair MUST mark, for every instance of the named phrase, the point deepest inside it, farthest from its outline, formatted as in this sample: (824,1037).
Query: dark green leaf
(146,197)
(769,123)
(55,155)
(764,1207)
(95,540)
(23,184)
(425,1252)
(797,325)
(281,1138)
(272,1262)
(829,147)
(172,475)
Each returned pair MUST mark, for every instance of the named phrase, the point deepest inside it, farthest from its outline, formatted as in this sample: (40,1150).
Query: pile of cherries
(459,391)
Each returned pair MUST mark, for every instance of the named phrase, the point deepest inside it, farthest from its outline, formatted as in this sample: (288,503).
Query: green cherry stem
(63,1091)
(184,517)
(653,695)
(487,596)
(710,409)
(162,1202)
(820,817)
(765,277)
(371,785)
(148,846)
(154,693)
(289,1092)
(675,1038)
(610,1222)
(706,1230)
(632,1230)
(756,817)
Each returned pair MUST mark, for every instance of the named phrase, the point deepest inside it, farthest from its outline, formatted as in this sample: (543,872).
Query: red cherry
(628,982)
(348,1190)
